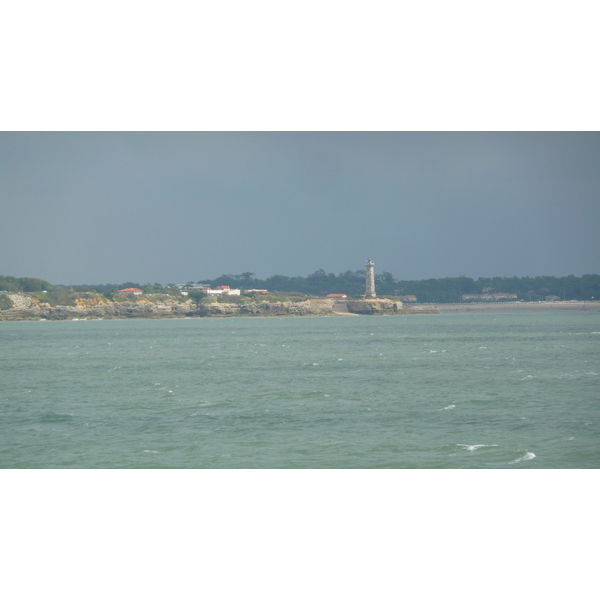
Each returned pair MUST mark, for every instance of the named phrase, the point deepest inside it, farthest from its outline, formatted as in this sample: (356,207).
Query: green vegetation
(23,284)
(5,302)
(320,283)
(200,297)
(448,289)
(225,299)
(204,299)
(58,296)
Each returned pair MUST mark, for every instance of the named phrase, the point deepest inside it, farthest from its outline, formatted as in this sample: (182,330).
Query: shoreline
(314,307)
(511,306)
(148,310)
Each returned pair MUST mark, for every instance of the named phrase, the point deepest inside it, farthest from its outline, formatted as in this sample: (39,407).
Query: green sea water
(507,390)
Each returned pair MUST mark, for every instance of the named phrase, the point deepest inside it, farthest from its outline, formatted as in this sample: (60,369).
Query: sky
(172,207)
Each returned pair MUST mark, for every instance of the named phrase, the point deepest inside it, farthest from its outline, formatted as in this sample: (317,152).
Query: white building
(222,290)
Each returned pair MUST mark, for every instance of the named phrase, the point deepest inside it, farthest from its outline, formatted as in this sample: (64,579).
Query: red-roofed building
(336,296)
(135,291)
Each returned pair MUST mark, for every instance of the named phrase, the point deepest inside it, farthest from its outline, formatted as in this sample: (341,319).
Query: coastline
(187,309)
(526,306)
(309,307)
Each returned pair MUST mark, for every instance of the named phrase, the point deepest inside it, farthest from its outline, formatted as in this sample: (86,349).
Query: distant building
(135,291)
(256,292)
(552,298)
(222,290)
(407,298)
(488,297)
(336,296)
(197,287)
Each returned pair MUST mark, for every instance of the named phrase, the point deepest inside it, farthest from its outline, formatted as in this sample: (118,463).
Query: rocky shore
(28,309)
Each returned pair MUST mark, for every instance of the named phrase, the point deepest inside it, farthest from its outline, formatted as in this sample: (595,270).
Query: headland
(27,307)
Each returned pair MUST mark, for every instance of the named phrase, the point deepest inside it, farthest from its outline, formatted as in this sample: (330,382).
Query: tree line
(441,290)
(352,283)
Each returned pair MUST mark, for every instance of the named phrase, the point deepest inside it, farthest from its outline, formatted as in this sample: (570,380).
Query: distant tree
(197,296)
(129,284)
(9,283)
(5,302)
(30,284)
(319,283)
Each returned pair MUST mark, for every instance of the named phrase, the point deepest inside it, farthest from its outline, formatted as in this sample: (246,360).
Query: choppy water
(464,390)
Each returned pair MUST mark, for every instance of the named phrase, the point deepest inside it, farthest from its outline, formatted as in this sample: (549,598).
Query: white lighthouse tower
(370,279)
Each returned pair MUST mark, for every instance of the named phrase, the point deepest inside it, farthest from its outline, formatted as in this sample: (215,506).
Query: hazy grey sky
(174,207)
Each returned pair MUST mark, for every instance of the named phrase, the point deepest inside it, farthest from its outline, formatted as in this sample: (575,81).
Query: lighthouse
(370,279)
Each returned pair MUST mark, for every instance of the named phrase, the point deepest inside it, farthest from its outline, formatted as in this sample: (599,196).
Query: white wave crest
(448,407)
(475,446)
(526,456)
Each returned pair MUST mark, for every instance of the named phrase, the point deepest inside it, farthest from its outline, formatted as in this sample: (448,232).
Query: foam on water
(475,446)
(526,456)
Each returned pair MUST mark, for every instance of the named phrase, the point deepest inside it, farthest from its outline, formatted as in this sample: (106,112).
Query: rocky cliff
(145,309)
(375,307)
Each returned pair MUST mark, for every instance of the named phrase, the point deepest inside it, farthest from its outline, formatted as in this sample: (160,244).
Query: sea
(464,390)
